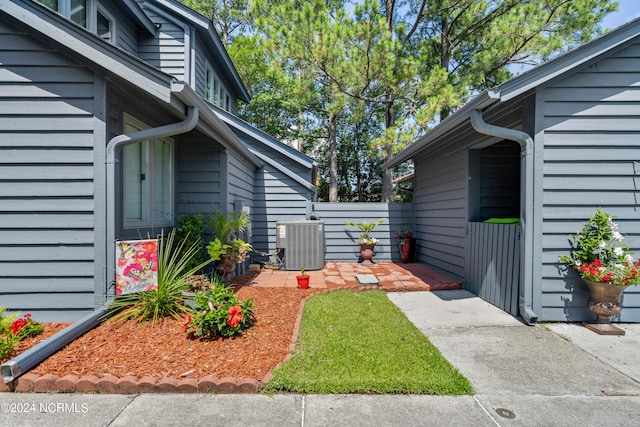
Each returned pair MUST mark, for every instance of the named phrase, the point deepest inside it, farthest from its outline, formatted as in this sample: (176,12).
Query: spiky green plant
(167,300)
(225,224)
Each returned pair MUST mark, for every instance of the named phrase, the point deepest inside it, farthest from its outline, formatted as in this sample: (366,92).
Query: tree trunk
(387,174)
(333,159)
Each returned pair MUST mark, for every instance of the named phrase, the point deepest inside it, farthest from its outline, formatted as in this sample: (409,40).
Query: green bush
(219,313)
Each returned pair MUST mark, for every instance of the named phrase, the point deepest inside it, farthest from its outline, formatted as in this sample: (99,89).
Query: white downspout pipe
(526,207)
(120,141)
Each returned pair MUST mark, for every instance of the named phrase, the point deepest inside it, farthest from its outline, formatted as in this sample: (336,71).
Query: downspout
(120,141)
(526,206)
(14,368)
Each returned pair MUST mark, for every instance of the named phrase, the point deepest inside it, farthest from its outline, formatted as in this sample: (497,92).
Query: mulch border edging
(108,383)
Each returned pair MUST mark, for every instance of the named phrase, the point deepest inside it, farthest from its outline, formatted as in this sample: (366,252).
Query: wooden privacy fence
(493,264)
(342,240)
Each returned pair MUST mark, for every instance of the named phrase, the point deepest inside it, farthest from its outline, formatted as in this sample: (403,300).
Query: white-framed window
(148,175)
(214,91)
(88,13)
(105,24)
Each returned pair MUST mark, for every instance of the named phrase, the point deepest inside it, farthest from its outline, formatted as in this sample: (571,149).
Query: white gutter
(121,141)
(526,206)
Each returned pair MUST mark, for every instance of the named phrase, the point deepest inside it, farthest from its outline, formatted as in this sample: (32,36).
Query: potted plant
(606,266)
(407,244)
(367,243)
(224,250)
(303,279)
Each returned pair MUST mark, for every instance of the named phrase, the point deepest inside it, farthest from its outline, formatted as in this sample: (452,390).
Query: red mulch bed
(163,350)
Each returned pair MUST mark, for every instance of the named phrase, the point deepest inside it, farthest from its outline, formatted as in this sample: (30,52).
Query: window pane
(216,90)
(103,26)
(162,165)
(51,4)
(208,83)
(79,12)
(135,186)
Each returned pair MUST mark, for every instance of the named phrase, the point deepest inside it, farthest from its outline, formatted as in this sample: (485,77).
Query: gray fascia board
(263,137)
(140,16)
(483,100)
(230,140)
(96,50)
(206,31)
(569,61)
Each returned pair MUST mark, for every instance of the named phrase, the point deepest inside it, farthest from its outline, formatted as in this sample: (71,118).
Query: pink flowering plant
(600,256)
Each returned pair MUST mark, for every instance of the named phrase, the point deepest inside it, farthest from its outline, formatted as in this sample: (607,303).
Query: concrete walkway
(545,375)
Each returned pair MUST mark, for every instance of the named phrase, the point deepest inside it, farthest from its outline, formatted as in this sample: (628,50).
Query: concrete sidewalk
(545,375)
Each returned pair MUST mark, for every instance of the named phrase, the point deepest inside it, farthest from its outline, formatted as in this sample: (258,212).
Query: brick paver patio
(392,277)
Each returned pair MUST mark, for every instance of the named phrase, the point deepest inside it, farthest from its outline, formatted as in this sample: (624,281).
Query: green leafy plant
(226,224)
(191,232)
(366,228)
(598,254)
(302,273)
(219,313)
(14,328)
(166,301)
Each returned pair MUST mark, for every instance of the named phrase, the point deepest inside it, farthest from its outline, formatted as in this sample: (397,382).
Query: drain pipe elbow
(526,206)
(172,129)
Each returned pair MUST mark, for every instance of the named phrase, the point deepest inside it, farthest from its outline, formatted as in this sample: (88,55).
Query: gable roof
(117,63)
(205,29)
(266,140)
(562,65)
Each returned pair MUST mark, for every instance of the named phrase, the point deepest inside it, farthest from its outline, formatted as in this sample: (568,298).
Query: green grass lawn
(360,342)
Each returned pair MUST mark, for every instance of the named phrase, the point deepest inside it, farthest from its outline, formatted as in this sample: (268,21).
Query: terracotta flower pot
(366,252)
(303,281)
(407,249)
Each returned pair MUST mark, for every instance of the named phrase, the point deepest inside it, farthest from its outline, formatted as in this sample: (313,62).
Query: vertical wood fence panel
(493,267)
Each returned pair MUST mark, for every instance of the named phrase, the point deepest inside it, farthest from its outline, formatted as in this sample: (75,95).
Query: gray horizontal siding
(240,180)
(277,198)
(166,50)
(342,240)
(199,177)
(47,122)
(440,199)
(591,159)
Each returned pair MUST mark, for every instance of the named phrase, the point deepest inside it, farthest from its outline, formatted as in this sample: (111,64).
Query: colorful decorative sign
(137,266)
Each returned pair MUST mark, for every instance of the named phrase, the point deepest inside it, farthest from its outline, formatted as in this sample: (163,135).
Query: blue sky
(627,10)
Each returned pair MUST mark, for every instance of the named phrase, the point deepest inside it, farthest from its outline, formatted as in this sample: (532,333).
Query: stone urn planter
(367,252)
(604,301)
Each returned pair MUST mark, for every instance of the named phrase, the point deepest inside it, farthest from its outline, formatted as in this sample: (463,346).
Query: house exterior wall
(199,174)
(50,124)
(169,50)
(447,194)
(588,126)
(277,198)
(240,181)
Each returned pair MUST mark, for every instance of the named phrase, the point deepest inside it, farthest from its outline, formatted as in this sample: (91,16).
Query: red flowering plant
(599,255)
(13,329)
(404,234)
(218,313)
